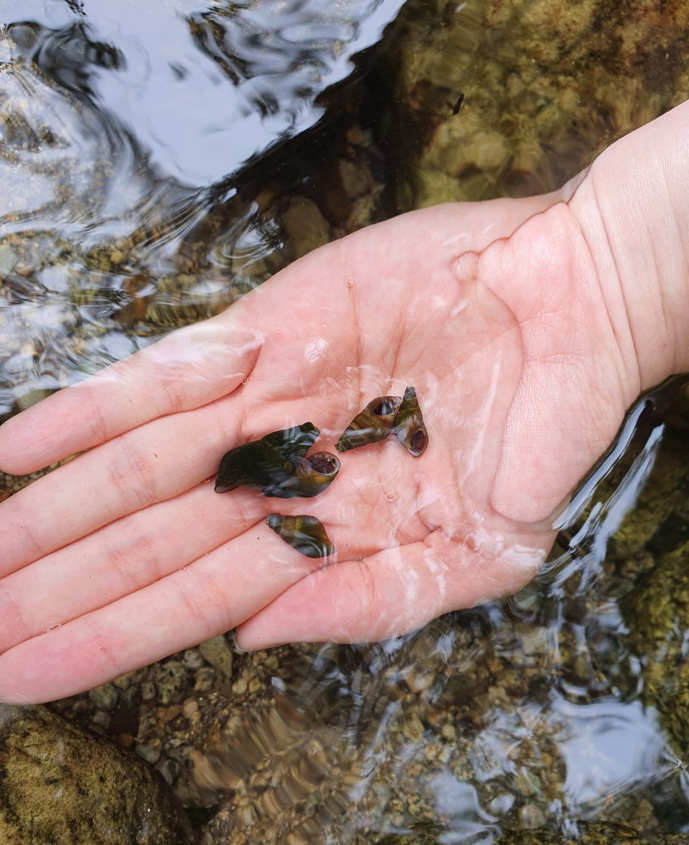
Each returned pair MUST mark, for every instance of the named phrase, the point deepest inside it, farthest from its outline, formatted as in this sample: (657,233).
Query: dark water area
(158,161)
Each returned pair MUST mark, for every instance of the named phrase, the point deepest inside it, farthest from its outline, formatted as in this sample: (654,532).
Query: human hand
(124,555)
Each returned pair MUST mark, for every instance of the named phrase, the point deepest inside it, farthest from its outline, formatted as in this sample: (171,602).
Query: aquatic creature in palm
(277,465)
(409,427)
(371,425)
(293,441)
(384,416)
(304,533)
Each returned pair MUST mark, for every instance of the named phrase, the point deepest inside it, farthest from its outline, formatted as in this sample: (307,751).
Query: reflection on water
(110,228)
(202,86)
(153,172)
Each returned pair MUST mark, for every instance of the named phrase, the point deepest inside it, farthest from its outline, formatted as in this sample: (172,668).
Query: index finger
(185,370)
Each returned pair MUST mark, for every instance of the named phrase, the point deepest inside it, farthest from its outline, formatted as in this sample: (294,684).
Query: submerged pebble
(65,786)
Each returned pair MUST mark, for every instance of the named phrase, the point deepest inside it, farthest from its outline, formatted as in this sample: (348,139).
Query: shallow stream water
(160,160)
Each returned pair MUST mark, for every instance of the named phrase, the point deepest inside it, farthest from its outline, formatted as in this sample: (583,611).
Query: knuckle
(13,627)
(131,476)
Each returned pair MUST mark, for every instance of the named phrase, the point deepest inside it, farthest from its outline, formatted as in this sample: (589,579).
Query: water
(131,142)
(529,713)
(160,163)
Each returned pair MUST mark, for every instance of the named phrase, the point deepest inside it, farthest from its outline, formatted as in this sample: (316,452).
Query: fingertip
(258,641)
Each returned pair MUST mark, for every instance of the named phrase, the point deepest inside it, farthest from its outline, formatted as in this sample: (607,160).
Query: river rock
(60,785)
(512,99)
(587,834)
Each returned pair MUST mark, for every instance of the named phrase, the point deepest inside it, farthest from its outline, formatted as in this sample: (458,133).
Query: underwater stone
(64,786)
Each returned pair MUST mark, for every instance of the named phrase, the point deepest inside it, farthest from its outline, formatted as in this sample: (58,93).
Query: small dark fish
(409,427)
(304,533)
(277,465)
(458,105)
(374,423)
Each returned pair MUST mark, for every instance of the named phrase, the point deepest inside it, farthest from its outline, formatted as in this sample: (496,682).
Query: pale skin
(527,328)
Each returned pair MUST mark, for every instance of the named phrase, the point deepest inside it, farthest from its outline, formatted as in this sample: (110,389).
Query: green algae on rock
(63,786)
(657,612)
(591,833)
(547,86)
(588,833)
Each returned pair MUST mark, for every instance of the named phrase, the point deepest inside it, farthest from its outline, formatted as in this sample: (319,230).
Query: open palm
(125,555)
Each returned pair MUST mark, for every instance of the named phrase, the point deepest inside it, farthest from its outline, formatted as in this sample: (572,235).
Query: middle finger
(150,464)
(121,558)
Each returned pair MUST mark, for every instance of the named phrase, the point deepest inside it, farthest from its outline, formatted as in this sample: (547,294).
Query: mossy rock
(591,834)
(62,786)
(512,99)
(657,613)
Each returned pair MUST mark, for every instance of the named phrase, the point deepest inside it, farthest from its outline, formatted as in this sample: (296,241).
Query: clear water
(130,142)
(148,157)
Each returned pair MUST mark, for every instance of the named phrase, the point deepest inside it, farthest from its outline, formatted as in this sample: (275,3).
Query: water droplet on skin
(390,497)
(245,381)
(182,569)
(349,282)
(54,627)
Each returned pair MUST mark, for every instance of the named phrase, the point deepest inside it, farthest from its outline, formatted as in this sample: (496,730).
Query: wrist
(633,210)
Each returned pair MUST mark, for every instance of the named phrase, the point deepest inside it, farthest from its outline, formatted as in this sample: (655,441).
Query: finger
(209,597)
(148,465)
(187,369)
(121,558)
(390,593)
(151,464)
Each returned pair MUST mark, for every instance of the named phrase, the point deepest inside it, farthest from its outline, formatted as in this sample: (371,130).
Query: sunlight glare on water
(221,85)
(126,130)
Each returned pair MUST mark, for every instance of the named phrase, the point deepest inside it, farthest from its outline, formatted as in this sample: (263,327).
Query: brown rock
(63,786)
